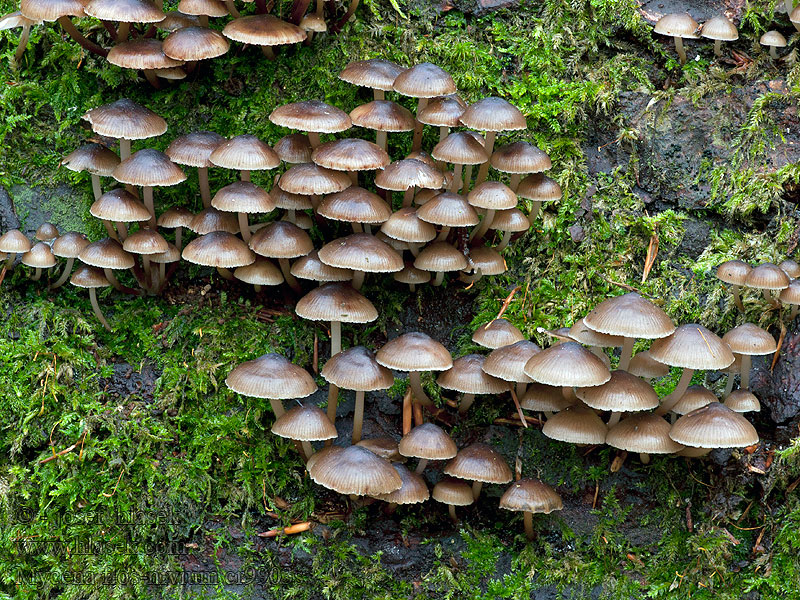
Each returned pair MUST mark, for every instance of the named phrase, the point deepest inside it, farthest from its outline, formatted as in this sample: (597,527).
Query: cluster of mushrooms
(188,38)
(779,284)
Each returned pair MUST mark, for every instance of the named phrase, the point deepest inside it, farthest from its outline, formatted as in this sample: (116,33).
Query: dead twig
(652,252)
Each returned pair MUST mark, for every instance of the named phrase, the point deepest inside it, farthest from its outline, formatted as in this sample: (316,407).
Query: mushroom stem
(645,458)
(64,275)
(408,197)
(96,308)
(423,462)
(773,53)
(378,94)
(336,337)
(178,235)
(97,190)
(162,275)
(225,273)
(476,489)
(122,230)
(358,416)
(76,35)
(333,403)
(728,385)
(614,418)
(789,5)
(466,402)
(110,230)
(417,141)
(672,399)
(488,146)
(718,47)
(232,9)
(244,175)
(358,279)
(150,75)
(521,389)
(442,237)
(467,178)
(437,281)
(452,510)
(626,353)
(536,208)
(148,275)
(277,408)
(381,139)
(419,394)
(287,275)
(205,189)
(527,519)
(124,148)
(770,298)
(147,196)
(268,52)
(481,229)
(795,310)
(504,242)
(313,138)
(23,43)
(737,297)
(455,186)
(244,226)
(679,49)
(37,274)
(122,31)
(112,279)
(414,249)
(744,374)
(308,450)
(514,183)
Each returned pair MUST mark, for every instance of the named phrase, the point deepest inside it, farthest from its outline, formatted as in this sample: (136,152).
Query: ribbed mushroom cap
(209,8)
(171,73)
(644,433)
(567,364)
(441,257)
(448,209)
(508,362)
(444,111)
(742,401)
(383,115)
(622,393)
(677,25)
(243,196)
(46,232)
(750,339)
(714,426)
(70,244)
(733,271)
(336,302)
(493,114)
(696,396)
(576,425)
(263,30)
(271,376)
(281,239)
(479,462)
(127,11)
(194,149)
(773,39)
(413,491)
(406,226)
(17,19)
(356,369)
(375,73)
(629,315)
(531,495)
(40,256)
(520,157)
(791,295)
(767,277)
(244,152)
(50,10)
(173,218)
(492,195)
(404,174)
(311,115)
(423,196)
(92,158)
(289,201)
(306,423)
(453,491)
(175,20)
(496,334)
(412,275)
(350,154)
(583,335)
(195,43)
(126,120)
(149,167)
(424,80)
(328,450)
(467,376)
(141,53)
(294,148)
(790,267)
(119,206)
(261,272)
(488,260)
(460,148)
(692,346)
(539,187)
(210,220)
(89,277)
(106,254)
(356,471)
(384,447)
(428,442)
(361,252)
(311,267)
(355,205)
(145,241)
(414,351)
(14,241)
(309,179)
(218,249)
(172,255)
(719,27)
(540,397)
(644,365)
(512,219)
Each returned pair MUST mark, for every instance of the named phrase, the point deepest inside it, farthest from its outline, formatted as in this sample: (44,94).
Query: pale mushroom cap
(356,369)
(750,339)
(209,8)
(17,19)
(194,149)
(773,39)
(791,295)
(412,275)
(356,471)
(696,396)
(444,111)
(141,53)
(677,25)
(539,187)
(492,195)
(305,423)
(120,206)
(742,401)
(355,205)
(479,462)
(790,267)
(692,346)
(174,20)
(309,179)
(508,362)
(70,244)
(244,152)
(407,173)
(520,157)
(311,267)
(452,491)
(328,450)
(467,376)
(719,27)
(629,315)
(46,232)
(313,22)
(145,241)
(448,209)
(496,334)
(243,196)
(311,115)
(645,433)
(413,491)
(622,393)
(644,365)
(567,364)
(460,148)
(488,260)
(336,302)
(383,115)
(361,252)
(424,80)
(428,442)
(441,257)
(125,119)
(271,376)
(89,277)
(218,249)
(50,10)
(714,426)
(149,167)
(493,114)
(106,254)
(767,276)
(512,219)
(195,43)
(531,495)
(14,241)
(281,239)
(350,154)
(261,272)
(171,73)
(210,220)
(414,351)
(384,447)
(794,16)
(39,256)
(576,425)
(172,255)
(733,271)
(540,397)
(374,73)
(263,30)
(92,158)
(294,148)
(583,335)
(406,226)
(128,11)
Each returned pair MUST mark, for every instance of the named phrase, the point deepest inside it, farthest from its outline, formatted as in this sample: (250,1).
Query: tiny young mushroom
(643,433)
(95,159)
(414,490)
(530,496)
(735,273)
(91,278)
(423,81)
(468,377)
(125,120)
(243,198)
(479,463)
(294,148)
(538,188)
(12,243)
(679,26)
(149,168)
(265,31)
(305,423)
(362,253)
(219,249)
(453,493)
(749,340)
(773,40)
(46,232)
(282,240)
(355,471)
(427,442)
(720,29)
(194,150)
(623,393)
(68,246)
(118,208)
(496,334)
(39,257)
(376,73)
(509,222)
(790,267)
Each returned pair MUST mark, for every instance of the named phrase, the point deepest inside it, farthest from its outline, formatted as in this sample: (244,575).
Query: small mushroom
(735,273)
(720,29)
(91,278)
(530,496)
(773,40)
(427,442)
(453,493)
(306,424)
(680,26)
(480,464)
(468,377)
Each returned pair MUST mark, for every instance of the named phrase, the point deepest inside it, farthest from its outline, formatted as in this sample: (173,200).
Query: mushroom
(119,207)
(576,424)
(453,493)
(194,150)
(210,220)
(221,250)
(490,196)
(149,168)
(384,447)
(170,256)
(439,258)
(427,442)
(749,340)
(520,158)
(443,112)
(546,399)
(773,40)
(734,272)
(305,424)
(538,188)
(460,149)
(12,21)
(645,366)
(192,44)
(125,120)
(695,396)
(294,148)
(508,363)
(95,159)
(362,253)
(282,240)
(791,295)
(125,12)
(484,261)
(375,73)
(261,272)
(509,221)
(107,254)
(790,267)
(313,117)
(680,26)
(39,257)
(742,401)
(68,246)
(568,365)
(768,278)
(143,54)
(91,278)
(423,81)
(406,175)
(448,210)
(714,426)
(37,11)
(720,29)
(405,225)
(530,496)
(243,198)
(623,393)
(645,434)
(356,206)
(412,276)
(480,464)
(312,180)
(468,377)
(496,334)
(146,242)
(413,490)
(204,9)
(350,155)
(265,31)
(312,268)
(594,339)
(46,232)
(355,471)
(244,153)
(383,117)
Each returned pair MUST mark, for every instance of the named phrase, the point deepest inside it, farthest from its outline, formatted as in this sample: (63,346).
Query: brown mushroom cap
(791,295)
(194,149)
(14,241)
(175,20)
(767,277)
(281,239)
(492,195)
(773,39)
(413,490)
(328,450)
(384,447)
(467,376)
(40,256)
(105,254)
(141,53)
(750,339)
(692,346)
(453,491)
(172,255)
(644,365)
(622,393)
(355,205)
(733,271)
(444,111)
(218,249)
(125,119)
(576,425)
(512,219)
(677,25)
(583,335)
(149,167)
(520,157)
(460,148)
(210,220)
(428,442)
(263,30)
(540,397)
(244,153)
(488,260)
(540,188)
(356,471)
(406,226)
(790,267)
(261,272)
(714,426)
(336,302)
(294,148)
(531,495)
(696,396)
(311,115)
(92,158)
(508,362)
(414,351)
(50,10)
(70,244)
(361,252)
(631,316)
(404,174)
(145,241)
(496,334)
(424,80)
(645,433)
(350,154)
(119,206)
(412,276)
(493,114)
(175,217)
(742,401)
(479,462)
(289,201)
(89,277)
(271,376)
(383,115)
(195,43)
(311,267)
(375,73)
(567,364)
(127,11)
(243,196)
(719,27)
(309,179)
(306,423)
(440,257)
(46,232)
(449,210)
(356,369)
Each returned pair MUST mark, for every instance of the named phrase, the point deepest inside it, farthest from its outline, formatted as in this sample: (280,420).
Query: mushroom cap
(243,196)
(88,277)
(246,153)
(281,239)
(361,252)
(50,10)
(773,39)
(413,490)
(313,22)
(263,30)
(622,393)
(336,302)
(733,271)
(175,19)
(539,187)
(444,111)
(402,175)
(714,426)
(306,423)
(218,249)
(171,73)
(496,334)
(355,205)
(448,209)
(790,267)
(414,351)
(412,275)
(677,25)
(375,73)
(719,27)
(479,462)
(271,376)
(406,226)
(576,425)
(493,114)
(791,295)
(145,241)
(583,335)
(520,157)
(508,362)
(14,241)
(141,53)
(17,19)
(424,80)
(692,346)
(454,492)
(311,115)
(210,220)
(309,179)
(172,255)
(46,232)
(794,16)
(70,244)
(750,339)
(294,148)
(39,256)
(194,149)
(531,495)
(384,447)
(120,206)
(695,396)
(195,43)
(261,272)
(467,376)
(767,277)
(356,369)
(127,11)
(126,120)
(645,433)
(511,219)
(423,196)
(629,315)
(460,148)
(149,167)
(492,195)
(209,8)
(383,115)
(350,154)
(428,442)
(106,254)
(488,260)
(327,450)
(441,257)
(567,364)
(644,365)
(742,401)
(540,397)
(356,471)
(92,158)
(311,267)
